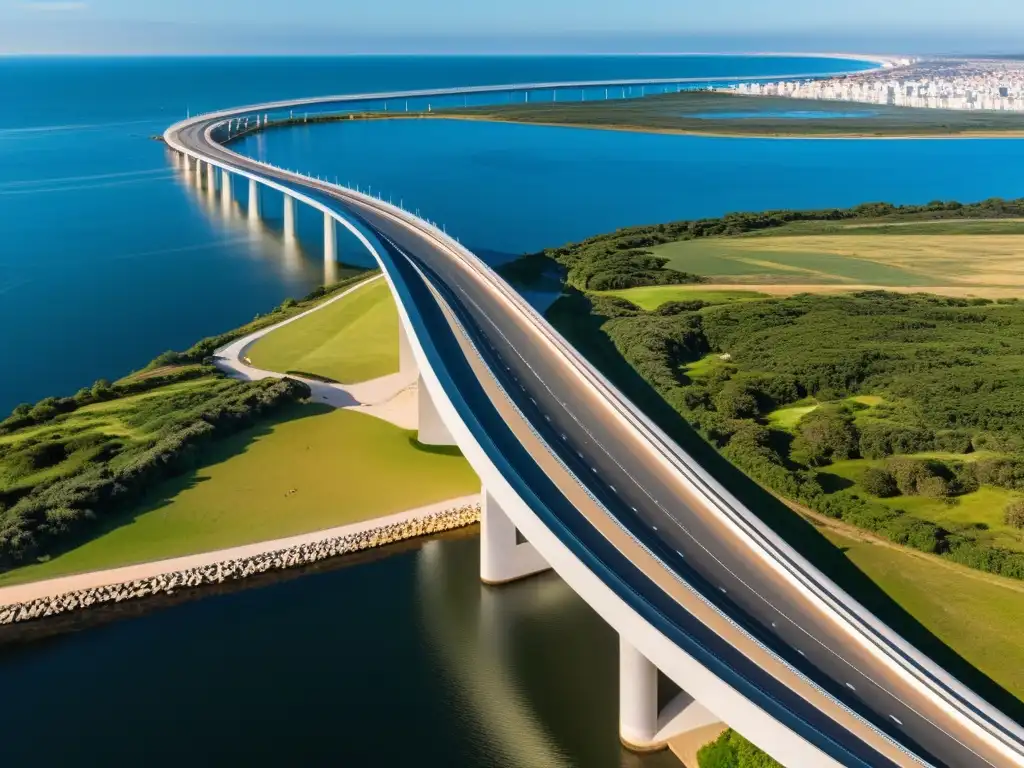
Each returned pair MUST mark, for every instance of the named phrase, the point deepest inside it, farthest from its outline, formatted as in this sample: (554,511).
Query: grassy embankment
(351,340)
(299,468)
(726,114)
(934,384)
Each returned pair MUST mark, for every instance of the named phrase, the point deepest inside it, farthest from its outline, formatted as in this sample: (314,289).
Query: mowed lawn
(976,614)
(311,469)
(971,263)
(351,340)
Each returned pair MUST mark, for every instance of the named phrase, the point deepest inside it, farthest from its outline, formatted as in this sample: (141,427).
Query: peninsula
(720,113)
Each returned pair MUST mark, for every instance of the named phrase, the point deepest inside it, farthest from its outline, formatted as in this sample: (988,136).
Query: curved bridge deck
(666,556)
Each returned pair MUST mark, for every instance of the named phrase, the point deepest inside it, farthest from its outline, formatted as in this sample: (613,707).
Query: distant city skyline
(526,26)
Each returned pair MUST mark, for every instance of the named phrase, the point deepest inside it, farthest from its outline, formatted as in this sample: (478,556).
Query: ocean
(106,261)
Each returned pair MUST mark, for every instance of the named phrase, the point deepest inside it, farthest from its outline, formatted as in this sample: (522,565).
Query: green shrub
(826,434)
(1013,515)
(879,483)
(730,750)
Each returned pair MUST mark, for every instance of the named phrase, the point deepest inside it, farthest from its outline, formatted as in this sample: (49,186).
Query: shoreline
(38,600)
(626,128)
(728,135)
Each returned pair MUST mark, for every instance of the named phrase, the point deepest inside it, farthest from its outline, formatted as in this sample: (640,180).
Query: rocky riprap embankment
(232,570)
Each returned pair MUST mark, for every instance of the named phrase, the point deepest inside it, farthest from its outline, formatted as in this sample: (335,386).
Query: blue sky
(462,26)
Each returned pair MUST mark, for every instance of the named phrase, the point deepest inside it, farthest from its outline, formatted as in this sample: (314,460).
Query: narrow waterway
(427,668)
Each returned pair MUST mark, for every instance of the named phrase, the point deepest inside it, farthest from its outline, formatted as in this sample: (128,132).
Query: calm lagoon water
(107,259)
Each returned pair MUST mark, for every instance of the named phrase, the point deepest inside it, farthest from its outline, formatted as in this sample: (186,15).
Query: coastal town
(976,84)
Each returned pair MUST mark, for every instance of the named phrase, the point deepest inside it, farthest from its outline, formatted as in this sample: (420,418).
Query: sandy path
(20,593)
(386,398)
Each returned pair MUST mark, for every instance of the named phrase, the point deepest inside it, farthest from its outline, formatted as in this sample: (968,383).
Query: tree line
(951,372)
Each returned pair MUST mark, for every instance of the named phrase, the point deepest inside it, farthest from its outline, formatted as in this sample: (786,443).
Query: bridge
(577,479)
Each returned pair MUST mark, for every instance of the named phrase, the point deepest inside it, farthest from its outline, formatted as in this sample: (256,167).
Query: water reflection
(268,240)
(532,664)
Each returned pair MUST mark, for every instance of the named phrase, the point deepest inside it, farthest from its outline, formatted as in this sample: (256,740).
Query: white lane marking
(662,508)
(718,560)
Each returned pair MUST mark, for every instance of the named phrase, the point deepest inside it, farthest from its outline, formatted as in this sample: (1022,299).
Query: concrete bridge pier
(226,192)
(406,358)
(289,217)
(505,554)
(643,726)
(330,240)
(432,430)
(211,177)
(254,200)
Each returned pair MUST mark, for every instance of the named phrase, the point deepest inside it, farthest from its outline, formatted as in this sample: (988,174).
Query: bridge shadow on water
(573,318)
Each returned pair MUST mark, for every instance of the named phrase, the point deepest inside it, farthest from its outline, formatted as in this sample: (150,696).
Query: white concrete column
(330,240)
(638,699)
(226,192)
(406,358)
(289,217)
(254,200)
(503,556)
(432,430)
(211,177)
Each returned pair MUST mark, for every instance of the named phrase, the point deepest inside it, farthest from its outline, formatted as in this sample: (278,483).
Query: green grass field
(976,614)
(787,418)
(652,297)
(983,507)
(352,340)
(308,470)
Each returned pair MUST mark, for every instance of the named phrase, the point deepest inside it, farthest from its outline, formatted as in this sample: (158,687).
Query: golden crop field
(990,265)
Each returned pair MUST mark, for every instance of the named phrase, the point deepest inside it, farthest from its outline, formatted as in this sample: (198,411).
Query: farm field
(354,339)
(307,469)
(986,265)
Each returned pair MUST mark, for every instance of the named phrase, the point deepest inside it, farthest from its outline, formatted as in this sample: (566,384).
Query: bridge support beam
(505,555)
(254,200)
(289,217)
(211,178)
(432,430)
(643,727)
(330,240)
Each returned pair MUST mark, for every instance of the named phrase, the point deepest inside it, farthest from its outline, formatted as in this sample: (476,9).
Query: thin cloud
(55,6)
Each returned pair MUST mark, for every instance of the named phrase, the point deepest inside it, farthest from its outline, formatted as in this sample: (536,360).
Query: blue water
(506,189)
(106,260)
(795,114)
